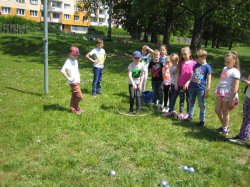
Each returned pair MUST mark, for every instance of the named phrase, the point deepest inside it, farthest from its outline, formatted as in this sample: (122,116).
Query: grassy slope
(43,145)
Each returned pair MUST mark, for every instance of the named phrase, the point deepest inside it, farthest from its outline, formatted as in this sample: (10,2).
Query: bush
(103,30)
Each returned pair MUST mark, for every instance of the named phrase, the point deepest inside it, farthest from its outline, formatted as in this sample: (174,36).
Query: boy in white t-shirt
(97,56)
(135,80)
(71,72)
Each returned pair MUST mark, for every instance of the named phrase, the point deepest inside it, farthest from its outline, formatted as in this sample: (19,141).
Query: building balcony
(56,9)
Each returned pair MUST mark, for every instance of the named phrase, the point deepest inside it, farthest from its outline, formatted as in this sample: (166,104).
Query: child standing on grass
(244,134)
(145,59)
(184,73)
(156,72)
(227,90)
(200,86)
(135,80)
(174,59)
(163,54)
(71,72)
(97,56)
(166,84)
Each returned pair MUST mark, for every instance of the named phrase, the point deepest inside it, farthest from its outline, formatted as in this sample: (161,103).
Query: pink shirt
(187,69)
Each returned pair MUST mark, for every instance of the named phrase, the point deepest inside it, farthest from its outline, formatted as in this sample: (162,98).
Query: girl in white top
(227,90)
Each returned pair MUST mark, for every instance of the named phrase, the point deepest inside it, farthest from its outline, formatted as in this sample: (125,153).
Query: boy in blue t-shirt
(199,85)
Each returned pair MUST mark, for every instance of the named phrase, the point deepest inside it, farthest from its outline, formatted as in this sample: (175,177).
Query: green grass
(42,144)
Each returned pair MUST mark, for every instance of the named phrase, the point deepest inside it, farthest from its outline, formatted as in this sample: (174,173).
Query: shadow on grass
(203,132)
(54,107)
(26,92)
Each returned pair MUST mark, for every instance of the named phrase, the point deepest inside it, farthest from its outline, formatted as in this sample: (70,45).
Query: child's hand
(134,86)
(206,93)
(186,86)
(140,87)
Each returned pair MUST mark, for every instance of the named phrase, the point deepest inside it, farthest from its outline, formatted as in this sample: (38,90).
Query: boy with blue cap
(135,79)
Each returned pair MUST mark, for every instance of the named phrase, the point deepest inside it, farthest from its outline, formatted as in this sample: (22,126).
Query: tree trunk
(145,37)
(110,20)
(153,37)
(197,33)
(231,40)
(168,24)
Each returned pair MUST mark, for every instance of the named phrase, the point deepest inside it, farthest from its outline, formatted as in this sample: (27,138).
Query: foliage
(103,30)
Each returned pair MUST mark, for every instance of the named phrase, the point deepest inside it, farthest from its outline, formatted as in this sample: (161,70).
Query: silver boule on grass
(112,173)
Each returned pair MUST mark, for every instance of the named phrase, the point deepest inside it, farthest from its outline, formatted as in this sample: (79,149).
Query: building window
(66,16)
(93,19)
(76,18)
(67,6)
(56,16)
(5,10)
(33,2)
(20,12)
(20,1)
(76,8)
(85,18)
(33,13)
(101,11)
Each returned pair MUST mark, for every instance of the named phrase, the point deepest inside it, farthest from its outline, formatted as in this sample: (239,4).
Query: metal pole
(45,16)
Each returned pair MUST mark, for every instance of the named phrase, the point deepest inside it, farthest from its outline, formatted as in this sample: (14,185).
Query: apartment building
(101,19)
(63,12)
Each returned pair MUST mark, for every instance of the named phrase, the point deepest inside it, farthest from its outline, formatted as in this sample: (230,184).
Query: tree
(200,9)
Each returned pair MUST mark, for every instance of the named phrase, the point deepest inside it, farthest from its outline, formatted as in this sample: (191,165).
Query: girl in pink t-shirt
(185,70)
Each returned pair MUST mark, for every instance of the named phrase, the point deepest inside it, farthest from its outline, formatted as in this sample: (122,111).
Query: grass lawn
(42,144)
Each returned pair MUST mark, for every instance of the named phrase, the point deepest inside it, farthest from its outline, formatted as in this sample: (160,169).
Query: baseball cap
(136,54)
(74,50)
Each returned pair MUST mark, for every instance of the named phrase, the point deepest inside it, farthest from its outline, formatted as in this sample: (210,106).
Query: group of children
(171,76)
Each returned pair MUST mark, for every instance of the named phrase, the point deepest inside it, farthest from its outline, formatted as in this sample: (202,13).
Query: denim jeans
(184,94)
(157,91)
(96,85)
(134,93)
(201,101)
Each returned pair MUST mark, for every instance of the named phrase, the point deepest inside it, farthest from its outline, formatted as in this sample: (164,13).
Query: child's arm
(235,88)
(208,85)
(150,50)
(141,81)
(247,82)
(65,74)
(88,56)
(131,79)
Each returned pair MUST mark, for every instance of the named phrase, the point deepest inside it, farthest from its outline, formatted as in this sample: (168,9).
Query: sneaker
(99,93)
(201,124)
(174,114)
(237,139)
(137,110)
(224,131)
(186,117)
(181,116)
(166,114)
(164,110)
(93,94)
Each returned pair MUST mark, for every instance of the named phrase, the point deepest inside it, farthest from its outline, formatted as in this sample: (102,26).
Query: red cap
(74,50)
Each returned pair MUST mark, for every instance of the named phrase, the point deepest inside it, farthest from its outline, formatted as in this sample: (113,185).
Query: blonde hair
(201,52)
(99,40)
(188,50)
(156,51)
(234,57)
(174,57)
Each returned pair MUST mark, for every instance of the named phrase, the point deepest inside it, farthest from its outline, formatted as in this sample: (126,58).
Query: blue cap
(137,54)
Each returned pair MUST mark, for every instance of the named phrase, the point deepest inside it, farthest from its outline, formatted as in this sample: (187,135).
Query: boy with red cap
(71,72)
